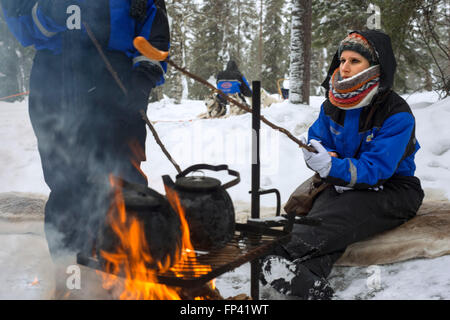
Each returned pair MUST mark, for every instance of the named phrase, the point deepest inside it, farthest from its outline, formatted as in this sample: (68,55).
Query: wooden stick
(155,135)
(146,48)
(240,105)
(105,59)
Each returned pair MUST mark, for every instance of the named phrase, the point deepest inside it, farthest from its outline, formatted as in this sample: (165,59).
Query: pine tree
(229,25)
(332,20)
(246,30)
(174,82)
(275,52)
(396,21)
(222,30)
(254,48)
(253,67)
(206,55)
(318,70)
(430,29)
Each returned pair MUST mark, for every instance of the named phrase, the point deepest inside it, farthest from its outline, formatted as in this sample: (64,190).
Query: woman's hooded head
(376,47)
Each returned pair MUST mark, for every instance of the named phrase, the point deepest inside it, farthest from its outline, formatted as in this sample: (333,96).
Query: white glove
(320,161)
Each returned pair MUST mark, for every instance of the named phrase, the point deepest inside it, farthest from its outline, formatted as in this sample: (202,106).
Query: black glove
(143,80)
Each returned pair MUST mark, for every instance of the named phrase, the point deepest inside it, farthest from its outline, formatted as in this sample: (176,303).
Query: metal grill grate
(249,243)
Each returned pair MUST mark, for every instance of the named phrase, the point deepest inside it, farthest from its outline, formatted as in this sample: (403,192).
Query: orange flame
(133,256)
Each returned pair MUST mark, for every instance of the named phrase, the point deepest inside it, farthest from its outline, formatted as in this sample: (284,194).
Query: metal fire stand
(256,191)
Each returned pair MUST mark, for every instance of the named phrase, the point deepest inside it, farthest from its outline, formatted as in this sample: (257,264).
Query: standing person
(87,126)
(365,142)
(232,82)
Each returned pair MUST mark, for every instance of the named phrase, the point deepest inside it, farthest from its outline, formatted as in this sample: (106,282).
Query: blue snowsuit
(86,126)
(231,81)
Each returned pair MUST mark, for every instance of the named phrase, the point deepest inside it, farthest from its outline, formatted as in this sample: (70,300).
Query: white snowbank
(228,140)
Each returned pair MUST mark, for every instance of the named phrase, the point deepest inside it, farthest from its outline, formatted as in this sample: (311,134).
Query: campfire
(132,265)
(127,268)
(144,259)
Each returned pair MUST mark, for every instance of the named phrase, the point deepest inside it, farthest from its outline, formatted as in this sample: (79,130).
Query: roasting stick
(104,58)
(146,49)
(155,135)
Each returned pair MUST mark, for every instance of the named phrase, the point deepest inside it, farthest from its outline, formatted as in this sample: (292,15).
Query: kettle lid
(197,183)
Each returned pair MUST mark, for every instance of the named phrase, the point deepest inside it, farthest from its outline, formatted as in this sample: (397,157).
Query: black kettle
(208,207)
(160,222)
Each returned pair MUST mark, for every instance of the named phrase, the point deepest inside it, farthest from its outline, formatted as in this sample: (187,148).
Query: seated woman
(365,142)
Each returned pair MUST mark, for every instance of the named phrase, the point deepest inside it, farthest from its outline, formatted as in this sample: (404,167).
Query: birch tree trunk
(300,59)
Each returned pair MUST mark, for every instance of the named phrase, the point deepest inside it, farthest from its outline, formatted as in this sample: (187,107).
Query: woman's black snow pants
(350,217)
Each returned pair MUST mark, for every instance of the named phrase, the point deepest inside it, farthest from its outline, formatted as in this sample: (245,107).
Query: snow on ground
(228,141)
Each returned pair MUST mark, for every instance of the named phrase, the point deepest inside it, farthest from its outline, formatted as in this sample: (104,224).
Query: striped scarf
(354,92)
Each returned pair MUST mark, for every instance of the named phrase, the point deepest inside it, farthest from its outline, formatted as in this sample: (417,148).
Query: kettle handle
(221,167)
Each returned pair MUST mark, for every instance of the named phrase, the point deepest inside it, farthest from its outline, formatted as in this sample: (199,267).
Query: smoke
(72,281)
(28,270)
(84,127)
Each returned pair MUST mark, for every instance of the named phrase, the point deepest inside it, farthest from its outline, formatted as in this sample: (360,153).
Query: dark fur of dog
(213,108)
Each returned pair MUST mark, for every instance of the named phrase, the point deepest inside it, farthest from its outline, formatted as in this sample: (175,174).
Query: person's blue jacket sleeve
(380,160)
(245,87)
(381,152)
(36,22)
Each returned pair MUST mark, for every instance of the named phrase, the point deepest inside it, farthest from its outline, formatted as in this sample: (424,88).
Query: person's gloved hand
(143,80)
(320,161)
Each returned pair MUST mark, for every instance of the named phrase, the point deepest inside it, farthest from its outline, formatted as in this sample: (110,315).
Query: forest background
(206,34)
